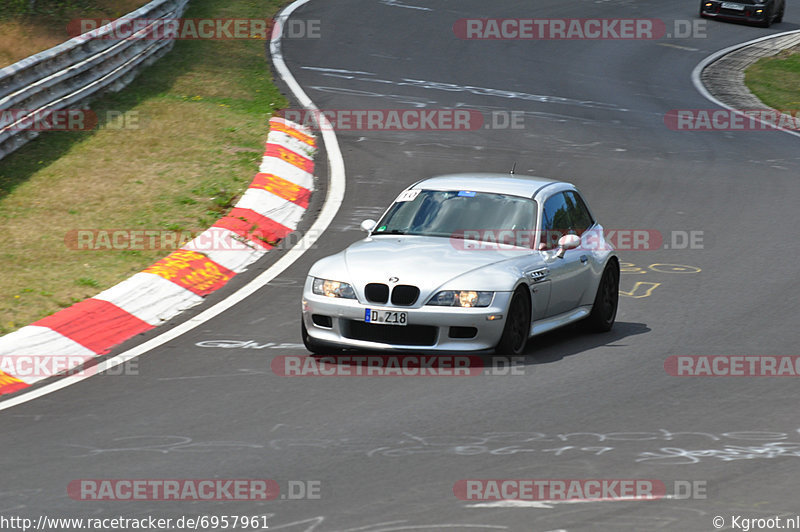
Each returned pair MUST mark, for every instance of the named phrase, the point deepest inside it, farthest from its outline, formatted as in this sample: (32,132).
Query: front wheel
(604,310)
(517,328)
(779,18)
(314,346)
(309,342)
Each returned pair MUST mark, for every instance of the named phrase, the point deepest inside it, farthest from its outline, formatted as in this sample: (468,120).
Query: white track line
(333,201)
(716,55)
(549,504)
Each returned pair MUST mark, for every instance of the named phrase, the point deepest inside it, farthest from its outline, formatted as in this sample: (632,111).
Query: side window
(556,221)
(578,213)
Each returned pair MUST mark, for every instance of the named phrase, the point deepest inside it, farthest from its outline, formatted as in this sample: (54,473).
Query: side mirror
(368,225)
(567,242)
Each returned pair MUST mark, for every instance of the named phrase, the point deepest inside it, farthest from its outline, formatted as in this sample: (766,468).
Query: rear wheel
(517,327)
(604,310)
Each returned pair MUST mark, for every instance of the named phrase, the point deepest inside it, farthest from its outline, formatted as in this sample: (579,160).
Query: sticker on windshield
(408,195)
(467,194)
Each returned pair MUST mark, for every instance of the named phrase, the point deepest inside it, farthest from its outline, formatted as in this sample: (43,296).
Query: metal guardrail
(70,74)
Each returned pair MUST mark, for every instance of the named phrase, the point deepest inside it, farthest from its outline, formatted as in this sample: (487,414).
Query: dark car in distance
(760,12)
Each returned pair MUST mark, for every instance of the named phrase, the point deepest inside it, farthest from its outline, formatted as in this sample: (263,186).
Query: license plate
(386,317)
(731,5)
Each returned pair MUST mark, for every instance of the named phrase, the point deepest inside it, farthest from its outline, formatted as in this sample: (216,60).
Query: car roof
(512,184)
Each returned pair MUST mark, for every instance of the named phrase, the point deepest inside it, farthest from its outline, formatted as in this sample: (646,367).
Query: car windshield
(461,214)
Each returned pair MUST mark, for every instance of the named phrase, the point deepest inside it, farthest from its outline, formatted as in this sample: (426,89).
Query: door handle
(584,259)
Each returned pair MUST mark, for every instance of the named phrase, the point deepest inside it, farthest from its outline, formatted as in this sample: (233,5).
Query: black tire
(312,345)
(315,347)
(604,309)
(779,18)
(517,327)
(309,342)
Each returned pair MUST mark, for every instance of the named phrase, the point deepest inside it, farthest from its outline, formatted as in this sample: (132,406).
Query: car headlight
(462,298)
(326,287)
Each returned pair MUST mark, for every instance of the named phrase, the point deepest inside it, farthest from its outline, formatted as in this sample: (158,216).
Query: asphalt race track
(387,452)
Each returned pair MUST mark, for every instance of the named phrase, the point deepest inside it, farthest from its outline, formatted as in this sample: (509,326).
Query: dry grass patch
(22,35)
(19,39)
(202,116)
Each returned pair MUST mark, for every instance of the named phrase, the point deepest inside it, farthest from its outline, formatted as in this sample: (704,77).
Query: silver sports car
(465,262)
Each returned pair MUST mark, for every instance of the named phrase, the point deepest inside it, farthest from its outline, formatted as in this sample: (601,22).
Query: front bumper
(747,15)
(340,323)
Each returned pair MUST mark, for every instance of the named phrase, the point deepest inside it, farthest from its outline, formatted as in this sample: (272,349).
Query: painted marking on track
(452,87)
(674,268)
(628,268)
(396,3)
(515,503)
(678,46)
(643,289)
(640,289)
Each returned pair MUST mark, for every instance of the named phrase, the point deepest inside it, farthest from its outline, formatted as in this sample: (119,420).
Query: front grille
(389,334)
(377,293)
(404,295)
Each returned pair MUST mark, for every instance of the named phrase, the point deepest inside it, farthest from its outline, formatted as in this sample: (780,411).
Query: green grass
(203,114)
(776,80)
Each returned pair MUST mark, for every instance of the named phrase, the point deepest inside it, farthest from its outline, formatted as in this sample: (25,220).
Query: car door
(564,213)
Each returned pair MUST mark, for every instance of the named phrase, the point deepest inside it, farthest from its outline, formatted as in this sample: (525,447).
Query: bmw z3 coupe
(465,262)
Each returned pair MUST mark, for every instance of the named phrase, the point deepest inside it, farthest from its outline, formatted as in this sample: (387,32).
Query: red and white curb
(269,210)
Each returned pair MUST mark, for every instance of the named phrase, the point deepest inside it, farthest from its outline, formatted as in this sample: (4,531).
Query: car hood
(428,263)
